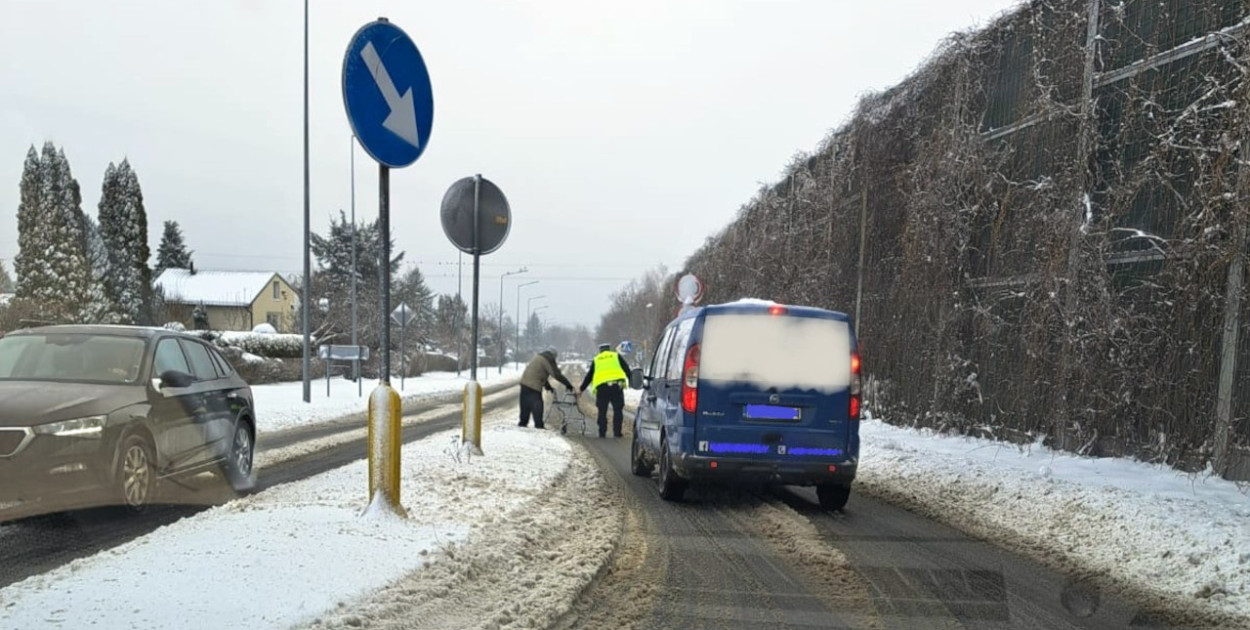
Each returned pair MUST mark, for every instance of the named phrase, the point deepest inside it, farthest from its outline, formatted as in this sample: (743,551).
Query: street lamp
(500,334)
(529,304)
(307,358)
(517,346)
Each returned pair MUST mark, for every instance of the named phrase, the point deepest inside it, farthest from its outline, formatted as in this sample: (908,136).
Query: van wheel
(833,497)
(671,485)
(639,466)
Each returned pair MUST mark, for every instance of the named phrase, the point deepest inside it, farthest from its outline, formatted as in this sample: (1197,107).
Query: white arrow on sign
(402,120)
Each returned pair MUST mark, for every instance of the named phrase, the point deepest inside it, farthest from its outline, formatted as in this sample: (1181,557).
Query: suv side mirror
(175,379)
(635,379)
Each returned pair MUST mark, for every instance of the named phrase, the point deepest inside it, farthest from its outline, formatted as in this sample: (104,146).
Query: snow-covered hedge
(264,345)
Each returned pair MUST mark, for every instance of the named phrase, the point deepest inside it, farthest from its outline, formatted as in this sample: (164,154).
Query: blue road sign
(386,90)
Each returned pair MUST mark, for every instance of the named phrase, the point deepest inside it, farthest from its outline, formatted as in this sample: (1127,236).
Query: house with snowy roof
(231,300)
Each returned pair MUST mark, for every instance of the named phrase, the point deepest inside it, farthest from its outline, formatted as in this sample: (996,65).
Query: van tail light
(690,380)
(856,387)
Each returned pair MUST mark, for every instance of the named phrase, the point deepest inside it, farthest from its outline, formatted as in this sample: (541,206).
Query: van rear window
(776,351)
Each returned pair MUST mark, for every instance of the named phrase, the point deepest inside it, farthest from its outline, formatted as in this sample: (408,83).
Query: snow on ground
(1180,540)
(304,553)
(281,406)
(267,457)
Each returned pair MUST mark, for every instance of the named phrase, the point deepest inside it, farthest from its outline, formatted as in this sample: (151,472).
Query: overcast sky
(623,133)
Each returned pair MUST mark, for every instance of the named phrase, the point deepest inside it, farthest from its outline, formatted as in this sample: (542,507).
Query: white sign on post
(402,315)
(689,291)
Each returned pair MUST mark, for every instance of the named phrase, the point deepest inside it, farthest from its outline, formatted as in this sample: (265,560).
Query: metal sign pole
(390,105)
(499,337)
(384,267)
(459,324)
(403,355)
(477,196)
(360,388)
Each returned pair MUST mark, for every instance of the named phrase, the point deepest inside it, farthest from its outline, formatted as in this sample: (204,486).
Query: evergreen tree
(173,252)
(100,307)
(332,279)
(412,290)
(30,229)
(533,333)
(124,234)
(52,265)
(6,281)
(334,252)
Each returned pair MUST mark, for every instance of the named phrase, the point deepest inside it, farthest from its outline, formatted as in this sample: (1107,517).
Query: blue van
(752,390)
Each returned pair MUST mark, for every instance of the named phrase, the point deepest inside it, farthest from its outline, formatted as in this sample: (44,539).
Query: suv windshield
(71,357)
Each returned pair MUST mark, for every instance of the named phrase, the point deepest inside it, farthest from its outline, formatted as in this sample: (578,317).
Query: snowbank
(300,552)
(281,405)
(1179,541)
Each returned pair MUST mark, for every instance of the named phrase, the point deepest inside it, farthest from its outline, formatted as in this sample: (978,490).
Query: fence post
(1232,301)
(1085,142)
(1228,351)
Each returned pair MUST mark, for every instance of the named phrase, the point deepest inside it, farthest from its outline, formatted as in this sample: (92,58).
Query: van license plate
(772,412)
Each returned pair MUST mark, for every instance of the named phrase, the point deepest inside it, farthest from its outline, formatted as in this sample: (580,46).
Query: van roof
(758,306)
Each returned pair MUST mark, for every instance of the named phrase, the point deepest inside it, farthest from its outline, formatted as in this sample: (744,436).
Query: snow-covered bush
(176,326)
(271,346)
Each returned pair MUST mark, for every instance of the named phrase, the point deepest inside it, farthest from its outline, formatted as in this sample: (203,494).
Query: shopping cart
(565,409)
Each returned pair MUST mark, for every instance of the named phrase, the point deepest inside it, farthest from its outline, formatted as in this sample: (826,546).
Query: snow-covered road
(281,406)
(1181,542)
(303,553)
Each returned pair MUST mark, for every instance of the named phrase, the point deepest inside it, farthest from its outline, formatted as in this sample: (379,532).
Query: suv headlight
(89,427)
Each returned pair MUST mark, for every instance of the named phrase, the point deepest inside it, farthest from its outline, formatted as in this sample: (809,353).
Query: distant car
(752,390)
(98,415)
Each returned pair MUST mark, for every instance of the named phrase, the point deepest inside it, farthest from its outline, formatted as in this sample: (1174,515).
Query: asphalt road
(709,562)
(702,563)
(925,574)
(39,544)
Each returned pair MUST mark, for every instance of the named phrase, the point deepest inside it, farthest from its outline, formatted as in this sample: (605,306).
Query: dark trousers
(531,402)
(610,394)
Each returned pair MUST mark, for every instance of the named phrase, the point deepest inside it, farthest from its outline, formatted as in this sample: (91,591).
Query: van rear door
(775,383)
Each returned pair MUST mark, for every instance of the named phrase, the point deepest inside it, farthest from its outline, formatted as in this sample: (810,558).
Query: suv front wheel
(136,473)
(238,466)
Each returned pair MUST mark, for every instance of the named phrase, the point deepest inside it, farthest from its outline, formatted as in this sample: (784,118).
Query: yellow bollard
(385,433)
(471,417)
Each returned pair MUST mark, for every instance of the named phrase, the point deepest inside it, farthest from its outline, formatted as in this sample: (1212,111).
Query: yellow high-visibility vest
(607,369)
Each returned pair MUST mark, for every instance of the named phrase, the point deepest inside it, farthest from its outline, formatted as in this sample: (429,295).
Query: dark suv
(97,415)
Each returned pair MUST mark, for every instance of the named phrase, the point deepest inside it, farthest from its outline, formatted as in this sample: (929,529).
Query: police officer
(607,378)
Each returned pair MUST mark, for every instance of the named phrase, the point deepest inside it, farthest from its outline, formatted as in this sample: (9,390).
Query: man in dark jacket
(533,380)
(607,377)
